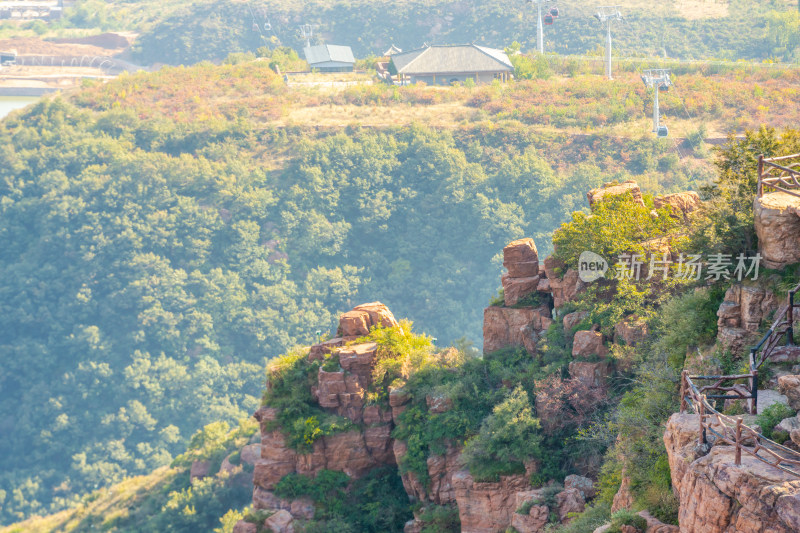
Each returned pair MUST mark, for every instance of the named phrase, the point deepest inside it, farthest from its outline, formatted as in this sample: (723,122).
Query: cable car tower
(606,15)
(548,19)
(657,79)
(307,31)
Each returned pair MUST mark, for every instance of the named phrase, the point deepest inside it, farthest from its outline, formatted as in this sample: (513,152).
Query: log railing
(779,174)
(781,332)
(716,428)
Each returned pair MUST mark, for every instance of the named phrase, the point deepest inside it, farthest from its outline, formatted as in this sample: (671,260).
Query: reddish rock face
(608,190)
(569,501)
(717,496)
(587,344)
(778,228)
(245,527)
(573,319)
(790,387)
(199,470)
(503,327)
(521,258)
(515,289)
(280,522)
(486,507)
(592,374)
(362,318)
(682,204)
(630,331)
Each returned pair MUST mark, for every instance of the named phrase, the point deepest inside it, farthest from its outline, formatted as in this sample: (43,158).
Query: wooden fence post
(684,406)
(702,412)
(738,441)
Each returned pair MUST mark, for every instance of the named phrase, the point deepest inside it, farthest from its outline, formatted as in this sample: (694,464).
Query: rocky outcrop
(778,228)
(717,496)
(521,258)
(790,387)
(630,331)
(486,507)
(741,314)
(587,344)
(504,326)
(613,189)
(363,318)
(682,204)
(591,374)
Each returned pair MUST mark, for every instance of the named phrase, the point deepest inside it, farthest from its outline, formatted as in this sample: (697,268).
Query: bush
(626,518)
(507,438)
(771,416)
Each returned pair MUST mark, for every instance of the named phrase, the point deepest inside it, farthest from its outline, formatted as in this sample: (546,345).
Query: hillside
(187,32)
(171,231)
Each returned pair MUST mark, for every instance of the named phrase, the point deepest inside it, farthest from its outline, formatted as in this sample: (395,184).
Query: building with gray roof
(444,65)
(330,58)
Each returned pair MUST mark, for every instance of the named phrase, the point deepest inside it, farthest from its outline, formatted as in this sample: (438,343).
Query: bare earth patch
(702,9)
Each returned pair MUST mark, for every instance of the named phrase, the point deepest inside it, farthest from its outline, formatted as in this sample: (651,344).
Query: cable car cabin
(663,87)
(267,26)
(548,20)
(554,12)
(255,26)
(663,131)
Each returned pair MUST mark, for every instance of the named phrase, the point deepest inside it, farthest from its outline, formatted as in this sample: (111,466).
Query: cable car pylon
(657,79)
(606,15)
(548,19)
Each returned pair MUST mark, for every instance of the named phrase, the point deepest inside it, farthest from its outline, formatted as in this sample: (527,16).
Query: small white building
(330,58)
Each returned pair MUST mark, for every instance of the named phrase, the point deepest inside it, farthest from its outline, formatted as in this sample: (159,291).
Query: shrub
(624,517)
(507,438)
(771,416)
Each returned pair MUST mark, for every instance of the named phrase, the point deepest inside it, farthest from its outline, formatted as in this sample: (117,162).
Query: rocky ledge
(716,496)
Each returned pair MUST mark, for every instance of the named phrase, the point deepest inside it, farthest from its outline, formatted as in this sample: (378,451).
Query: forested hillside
(167,232)
(183,32)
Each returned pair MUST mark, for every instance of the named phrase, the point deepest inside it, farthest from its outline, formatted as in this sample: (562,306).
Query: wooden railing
(782,331)
(716,428)
(779,177)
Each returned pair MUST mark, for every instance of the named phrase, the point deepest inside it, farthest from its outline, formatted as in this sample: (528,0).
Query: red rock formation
(486,507)
(608,190)
(587,344)
(778,228)
(362,318)
(521,258)
(717,496)
(682,204)
(503,326)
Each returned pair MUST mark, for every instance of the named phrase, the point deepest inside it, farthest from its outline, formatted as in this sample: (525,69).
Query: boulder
(486,507)
(280,522)
(582,484)
(587,344)
(245,527)
(199,470)
(553,268)
(319,351)
(682,204)
(592,374)
(610,190)
(302,508)
(787,425)
(778,228)
(503,326)
(364,317)
(438,404)
(571,320)
(631,331)
(785,354)
(515,289)
(535,521)
(569,501)
(790,387)
(521,258)
(250,454)
(654,525)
